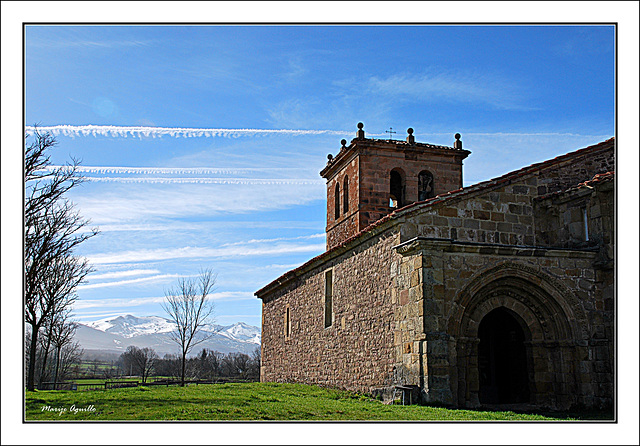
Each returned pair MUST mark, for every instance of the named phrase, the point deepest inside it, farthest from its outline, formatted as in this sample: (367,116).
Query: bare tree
(148,358)
(69,360)
(254,368)
(140,361)
(52,230)
(208,363)
(61,336)
(190,308)
(168,366)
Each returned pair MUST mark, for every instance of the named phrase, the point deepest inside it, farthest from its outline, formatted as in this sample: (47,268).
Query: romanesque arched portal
(514,340)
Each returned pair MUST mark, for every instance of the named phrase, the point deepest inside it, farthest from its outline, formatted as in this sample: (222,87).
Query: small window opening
(328,299)
(396,190)
(425,185)
(337,201)
(586,224)
(287,323)
(345,196)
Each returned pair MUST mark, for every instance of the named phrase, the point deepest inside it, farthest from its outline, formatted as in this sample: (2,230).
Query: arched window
(337,201)
(396,189)
(425,185)
(345,195)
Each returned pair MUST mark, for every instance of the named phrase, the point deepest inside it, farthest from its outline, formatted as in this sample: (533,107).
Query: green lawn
(251,401)
(129,378)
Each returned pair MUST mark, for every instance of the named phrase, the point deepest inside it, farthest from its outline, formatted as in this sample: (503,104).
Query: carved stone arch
(551,296)
(552,322)
(531,325)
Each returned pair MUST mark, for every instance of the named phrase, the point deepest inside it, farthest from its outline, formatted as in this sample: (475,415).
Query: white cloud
(179,170)
(144,202)
(173,132)
(120,274)
(158,278)
(148,255)
(490,89)
(164,226)
(270,240)
(248,181)
(83,304)
(233,295)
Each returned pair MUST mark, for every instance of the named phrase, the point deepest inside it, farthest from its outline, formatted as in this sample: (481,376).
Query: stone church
(497,293)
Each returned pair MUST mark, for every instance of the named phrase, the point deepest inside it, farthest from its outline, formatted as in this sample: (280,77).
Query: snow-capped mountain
(115,334)
(242,332)
(129,326)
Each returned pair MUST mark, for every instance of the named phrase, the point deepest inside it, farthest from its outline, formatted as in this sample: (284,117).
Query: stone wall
(356,351)
(504,212)
(347,224)
(561,222)
(554,292)
(409,295)
(577,168)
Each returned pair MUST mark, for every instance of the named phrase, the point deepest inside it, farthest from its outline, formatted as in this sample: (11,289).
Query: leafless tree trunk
(61,336)
(146,360)
(190,308)
(70,359)
(139,360)
(52,230)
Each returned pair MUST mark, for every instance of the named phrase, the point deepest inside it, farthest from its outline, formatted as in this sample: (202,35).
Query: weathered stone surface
(410,296)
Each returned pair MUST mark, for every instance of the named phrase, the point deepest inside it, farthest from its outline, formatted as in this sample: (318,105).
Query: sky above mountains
(202,144)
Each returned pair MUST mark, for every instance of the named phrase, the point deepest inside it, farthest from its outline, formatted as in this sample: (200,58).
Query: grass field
(251,401)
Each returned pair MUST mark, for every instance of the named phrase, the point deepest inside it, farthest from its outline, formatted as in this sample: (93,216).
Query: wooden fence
(124,384)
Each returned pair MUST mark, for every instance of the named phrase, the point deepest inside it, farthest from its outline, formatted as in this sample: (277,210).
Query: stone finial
(344,144)
(329,157)
(410,138)
(360,133)
(457,144)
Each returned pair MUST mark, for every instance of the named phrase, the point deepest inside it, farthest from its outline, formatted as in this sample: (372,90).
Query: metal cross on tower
(390,132)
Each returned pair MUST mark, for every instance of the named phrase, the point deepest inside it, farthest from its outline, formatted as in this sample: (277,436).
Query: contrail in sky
(255,181)
(174,132)
(147,171)
(187,132)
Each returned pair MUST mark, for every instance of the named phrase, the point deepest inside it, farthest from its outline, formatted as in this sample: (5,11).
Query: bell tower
(370,178)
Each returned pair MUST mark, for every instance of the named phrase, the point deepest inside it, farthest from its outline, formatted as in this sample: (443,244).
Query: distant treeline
(206,365)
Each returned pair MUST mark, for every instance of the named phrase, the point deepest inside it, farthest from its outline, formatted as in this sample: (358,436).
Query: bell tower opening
(425,185)
(502,359)
(396,189)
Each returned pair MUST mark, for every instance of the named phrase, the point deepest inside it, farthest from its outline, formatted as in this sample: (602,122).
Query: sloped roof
(596,180)
(456,194)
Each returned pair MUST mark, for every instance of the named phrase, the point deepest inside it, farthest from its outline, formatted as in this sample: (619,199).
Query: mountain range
(115,334)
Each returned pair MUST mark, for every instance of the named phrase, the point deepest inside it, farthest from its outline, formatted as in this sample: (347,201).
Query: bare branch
(190,308)
(52,231)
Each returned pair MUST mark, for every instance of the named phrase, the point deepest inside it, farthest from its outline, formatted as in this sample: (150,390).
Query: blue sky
(517,96)
(250,204)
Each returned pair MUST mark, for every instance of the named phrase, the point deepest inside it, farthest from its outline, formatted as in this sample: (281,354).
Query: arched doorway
(547,324)
(502,359)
